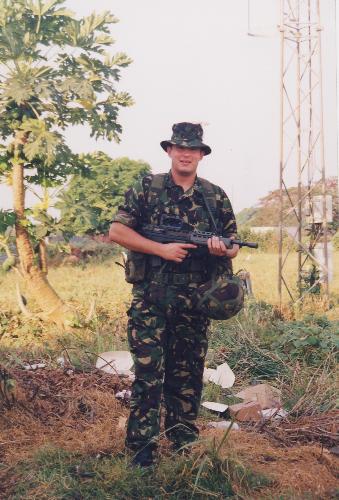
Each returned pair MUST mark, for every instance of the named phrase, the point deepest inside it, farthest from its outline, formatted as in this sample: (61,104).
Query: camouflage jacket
(189,206)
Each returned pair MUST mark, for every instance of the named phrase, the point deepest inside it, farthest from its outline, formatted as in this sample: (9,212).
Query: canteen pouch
(135,267)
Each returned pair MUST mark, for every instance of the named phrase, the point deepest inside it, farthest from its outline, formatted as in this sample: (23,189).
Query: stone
(246,412)
(264,394)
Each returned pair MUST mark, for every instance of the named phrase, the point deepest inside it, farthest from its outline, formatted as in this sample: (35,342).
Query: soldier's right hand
(176,252)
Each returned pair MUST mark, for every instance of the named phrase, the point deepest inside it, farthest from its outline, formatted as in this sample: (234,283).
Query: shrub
(309,340)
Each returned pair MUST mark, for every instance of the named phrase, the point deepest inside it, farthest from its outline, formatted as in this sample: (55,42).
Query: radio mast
(306,210)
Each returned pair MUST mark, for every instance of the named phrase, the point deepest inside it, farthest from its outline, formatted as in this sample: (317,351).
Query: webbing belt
(178,279)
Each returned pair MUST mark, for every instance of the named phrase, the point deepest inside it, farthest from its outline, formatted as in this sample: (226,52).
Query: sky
(194,61)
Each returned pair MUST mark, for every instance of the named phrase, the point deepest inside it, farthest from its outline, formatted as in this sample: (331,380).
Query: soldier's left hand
(218,248)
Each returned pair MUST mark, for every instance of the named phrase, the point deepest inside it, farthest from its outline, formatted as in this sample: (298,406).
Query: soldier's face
(184,160)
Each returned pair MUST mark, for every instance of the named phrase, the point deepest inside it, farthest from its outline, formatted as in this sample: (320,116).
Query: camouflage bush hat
(188,135)
(220,299)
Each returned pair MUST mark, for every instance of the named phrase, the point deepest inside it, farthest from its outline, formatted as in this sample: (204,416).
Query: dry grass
(78,413)
(77,285)
(263,268)
(74,411)
(106,282)
(302,470)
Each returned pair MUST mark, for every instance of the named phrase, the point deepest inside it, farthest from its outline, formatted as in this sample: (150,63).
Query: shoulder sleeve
(227,217)
(130,211)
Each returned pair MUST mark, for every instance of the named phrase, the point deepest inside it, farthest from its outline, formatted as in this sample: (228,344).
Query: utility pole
(306,210)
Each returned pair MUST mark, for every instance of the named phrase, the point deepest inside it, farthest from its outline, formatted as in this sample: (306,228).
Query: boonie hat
(187,135)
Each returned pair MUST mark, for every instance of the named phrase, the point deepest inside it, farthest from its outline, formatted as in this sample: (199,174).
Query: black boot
(145,457)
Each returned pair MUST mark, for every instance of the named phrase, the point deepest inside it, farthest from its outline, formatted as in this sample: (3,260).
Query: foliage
(91,199)
(55,71)
(242,344)
(309,340)
(7,219)
(267,241)
(310,280)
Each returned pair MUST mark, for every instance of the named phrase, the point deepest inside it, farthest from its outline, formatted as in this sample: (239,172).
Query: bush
(268,241)
(309,341)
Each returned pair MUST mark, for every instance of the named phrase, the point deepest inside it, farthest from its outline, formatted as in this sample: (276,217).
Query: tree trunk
(53,308)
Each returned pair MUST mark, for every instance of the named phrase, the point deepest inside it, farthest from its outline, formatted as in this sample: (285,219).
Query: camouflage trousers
(168,341)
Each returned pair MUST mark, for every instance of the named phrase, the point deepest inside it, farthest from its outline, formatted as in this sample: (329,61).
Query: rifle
(170,231)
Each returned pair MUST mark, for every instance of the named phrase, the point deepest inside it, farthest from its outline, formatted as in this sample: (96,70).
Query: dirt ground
(79,412)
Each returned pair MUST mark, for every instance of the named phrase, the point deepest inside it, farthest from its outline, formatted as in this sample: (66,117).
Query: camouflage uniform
(166,332)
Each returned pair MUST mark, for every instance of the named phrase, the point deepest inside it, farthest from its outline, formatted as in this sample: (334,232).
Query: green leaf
(7,219)
(64,12)
(40,232)
(41,143)
(39,8)
(313,341)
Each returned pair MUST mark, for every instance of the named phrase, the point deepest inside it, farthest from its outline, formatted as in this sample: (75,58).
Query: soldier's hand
(218,248)
(176,252)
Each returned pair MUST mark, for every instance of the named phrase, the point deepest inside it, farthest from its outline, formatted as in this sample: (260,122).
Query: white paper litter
(34,366)
(223,376)
(61,361)
(207,374)
(274,412)
(124,394)
(224,424)
(219,407)
(118,362)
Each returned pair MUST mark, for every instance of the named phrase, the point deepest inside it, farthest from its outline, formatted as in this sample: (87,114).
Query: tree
(92,198)
(55,71)
(266,212)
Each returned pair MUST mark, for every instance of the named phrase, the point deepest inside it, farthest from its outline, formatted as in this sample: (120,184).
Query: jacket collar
(169,183)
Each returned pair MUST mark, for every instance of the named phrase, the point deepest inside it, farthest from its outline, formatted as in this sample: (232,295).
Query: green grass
(55,474)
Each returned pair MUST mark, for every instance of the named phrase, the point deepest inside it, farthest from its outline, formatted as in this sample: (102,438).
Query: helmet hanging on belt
(219,298)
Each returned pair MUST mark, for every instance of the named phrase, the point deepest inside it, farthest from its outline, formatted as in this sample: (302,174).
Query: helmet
(220,298)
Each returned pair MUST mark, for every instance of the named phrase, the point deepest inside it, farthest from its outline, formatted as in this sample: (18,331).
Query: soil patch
(78,411)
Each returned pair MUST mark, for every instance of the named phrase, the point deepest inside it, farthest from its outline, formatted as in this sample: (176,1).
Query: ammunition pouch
(135,267)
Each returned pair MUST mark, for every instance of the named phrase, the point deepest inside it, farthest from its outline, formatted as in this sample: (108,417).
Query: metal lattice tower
(302,151)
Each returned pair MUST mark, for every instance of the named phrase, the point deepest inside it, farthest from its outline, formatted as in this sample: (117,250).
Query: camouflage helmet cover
(188,135)
(220,298)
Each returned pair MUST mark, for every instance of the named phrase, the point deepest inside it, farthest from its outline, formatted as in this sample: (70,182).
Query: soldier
(177,288)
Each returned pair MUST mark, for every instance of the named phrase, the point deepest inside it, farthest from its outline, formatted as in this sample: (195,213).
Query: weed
(309,340)
(246,354)
(311,390)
